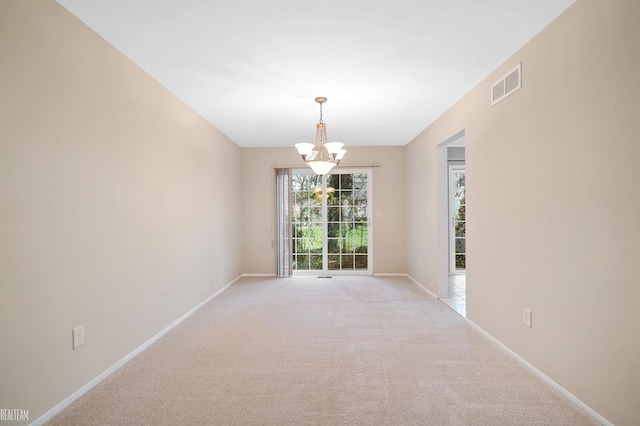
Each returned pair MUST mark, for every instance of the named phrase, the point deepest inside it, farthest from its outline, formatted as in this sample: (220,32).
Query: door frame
(325,271)
(442,183)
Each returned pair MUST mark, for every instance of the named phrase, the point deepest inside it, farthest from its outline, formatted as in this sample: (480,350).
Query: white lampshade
(304,149)
(333,147)
(321,167)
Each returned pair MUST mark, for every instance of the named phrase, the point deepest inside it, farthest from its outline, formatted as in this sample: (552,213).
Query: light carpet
(350,350)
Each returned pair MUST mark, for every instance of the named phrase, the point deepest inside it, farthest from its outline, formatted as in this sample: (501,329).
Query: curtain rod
(346,166)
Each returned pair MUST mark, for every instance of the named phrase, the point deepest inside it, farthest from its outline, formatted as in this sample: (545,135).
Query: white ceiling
(253,68)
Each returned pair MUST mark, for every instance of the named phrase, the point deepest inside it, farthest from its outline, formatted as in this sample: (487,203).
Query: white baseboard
(432,294)
(84,389)
(543,376)
(257,275)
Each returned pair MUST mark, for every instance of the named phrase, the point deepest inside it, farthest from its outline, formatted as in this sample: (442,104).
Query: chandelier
(323,156)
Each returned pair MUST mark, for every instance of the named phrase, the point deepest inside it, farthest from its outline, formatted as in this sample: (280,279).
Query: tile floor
(457,297)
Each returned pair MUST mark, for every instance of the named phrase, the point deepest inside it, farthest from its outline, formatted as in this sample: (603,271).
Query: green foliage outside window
(460,222)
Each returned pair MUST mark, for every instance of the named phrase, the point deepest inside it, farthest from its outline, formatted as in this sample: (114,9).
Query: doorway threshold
(457,294)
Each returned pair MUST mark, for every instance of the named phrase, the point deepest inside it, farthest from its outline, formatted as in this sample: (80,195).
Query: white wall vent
(508,84)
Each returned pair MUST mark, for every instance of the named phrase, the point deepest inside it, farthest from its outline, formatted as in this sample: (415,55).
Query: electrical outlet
(526,317)
(78,336)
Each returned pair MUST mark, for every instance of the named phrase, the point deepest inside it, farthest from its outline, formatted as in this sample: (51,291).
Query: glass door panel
(457,187)
(348,213)
(307,224)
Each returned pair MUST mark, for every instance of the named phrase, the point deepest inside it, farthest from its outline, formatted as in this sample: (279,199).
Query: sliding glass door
(330,221)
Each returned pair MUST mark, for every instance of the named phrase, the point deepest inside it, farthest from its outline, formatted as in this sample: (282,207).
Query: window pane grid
(346,221)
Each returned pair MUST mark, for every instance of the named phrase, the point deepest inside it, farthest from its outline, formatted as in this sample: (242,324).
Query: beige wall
(120,207)
(388,204)
(553,205)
